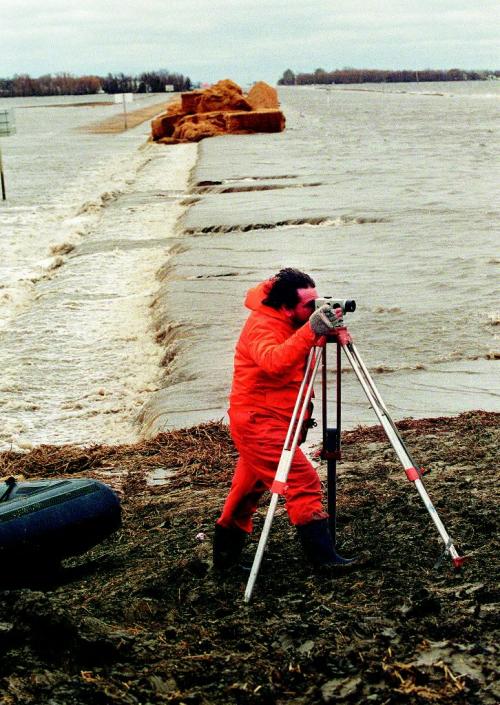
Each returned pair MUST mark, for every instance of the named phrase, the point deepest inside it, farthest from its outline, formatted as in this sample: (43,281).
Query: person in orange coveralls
(269,366)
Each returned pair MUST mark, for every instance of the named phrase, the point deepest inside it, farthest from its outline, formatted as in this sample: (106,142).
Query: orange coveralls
(268,370)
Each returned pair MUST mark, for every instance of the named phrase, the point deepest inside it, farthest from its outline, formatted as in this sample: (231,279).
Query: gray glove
(326,319)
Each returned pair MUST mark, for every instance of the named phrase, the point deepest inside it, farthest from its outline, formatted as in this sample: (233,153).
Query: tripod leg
(298,402)
(412,473)
(261,548)
(285,462)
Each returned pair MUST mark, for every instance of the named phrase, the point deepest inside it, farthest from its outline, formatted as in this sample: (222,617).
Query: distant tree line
(148,82)
(67,84)
(352,75)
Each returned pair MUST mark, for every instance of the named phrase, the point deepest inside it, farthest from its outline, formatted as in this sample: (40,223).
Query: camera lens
(350,305)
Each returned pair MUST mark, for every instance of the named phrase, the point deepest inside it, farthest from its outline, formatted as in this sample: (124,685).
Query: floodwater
(121,299)
(384,194)
(84,229)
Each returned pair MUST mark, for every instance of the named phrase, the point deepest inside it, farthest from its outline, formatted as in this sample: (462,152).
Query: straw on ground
(116,123)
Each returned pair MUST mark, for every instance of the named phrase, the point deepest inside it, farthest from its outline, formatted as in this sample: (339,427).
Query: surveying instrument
(331,435)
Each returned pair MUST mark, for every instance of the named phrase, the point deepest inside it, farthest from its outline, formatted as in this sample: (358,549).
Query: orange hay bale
(256,121)
(263,96)
(218,110)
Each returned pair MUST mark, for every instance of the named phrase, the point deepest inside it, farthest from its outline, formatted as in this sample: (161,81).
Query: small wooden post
(124,111)
(7,127)
(4,197)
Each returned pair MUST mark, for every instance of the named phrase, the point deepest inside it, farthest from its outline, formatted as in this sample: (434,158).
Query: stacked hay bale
(220,109)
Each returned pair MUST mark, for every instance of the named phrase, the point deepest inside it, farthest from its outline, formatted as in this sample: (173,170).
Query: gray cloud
(246,41)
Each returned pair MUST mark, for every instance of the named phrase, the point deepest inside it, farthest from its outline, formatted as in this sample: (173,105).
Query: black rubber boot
(318,546)
(228,545)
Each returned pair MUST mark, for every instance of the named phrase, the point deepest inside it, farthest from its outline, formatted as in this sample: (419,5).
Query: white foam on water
(79,355)
(30,235)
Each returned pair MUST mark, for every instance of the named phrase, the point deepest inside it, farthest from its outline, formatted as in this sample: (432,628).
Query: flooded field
(124,264)
(384,196)
(84,230)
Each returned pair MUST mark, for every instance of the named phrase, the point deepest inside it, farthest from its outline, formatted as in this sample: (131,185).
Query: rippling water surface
(120,307)
(384,194)
(84,230)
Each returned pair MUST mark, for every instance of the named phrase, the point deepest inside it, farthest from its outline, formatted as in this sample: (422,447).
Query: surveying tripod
(331,444)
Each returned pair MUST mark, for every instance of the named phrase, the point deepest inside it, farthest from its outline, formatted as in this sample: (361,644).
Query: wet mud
(144,618)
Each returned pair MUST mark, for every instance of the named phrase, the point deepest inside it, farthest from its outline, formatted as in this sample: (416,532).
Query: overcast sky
(244,40)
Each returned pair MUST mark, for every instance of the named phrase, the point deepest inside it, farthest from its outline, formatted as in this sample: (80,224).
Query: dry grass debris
(144,618)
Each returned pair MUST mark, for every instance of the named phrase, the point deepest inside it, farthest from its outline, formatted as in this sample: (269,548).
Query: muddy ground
(143,618)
